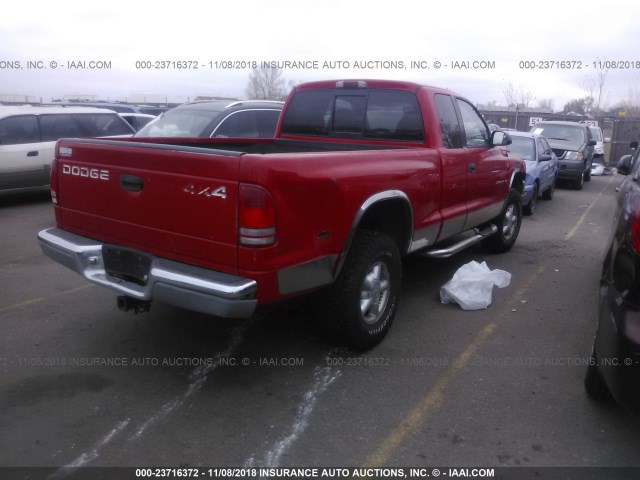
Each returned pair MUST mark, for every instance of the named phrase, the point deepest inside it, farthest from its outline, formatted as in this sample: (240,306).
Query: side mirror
(624,165)
(592,143)
(545,157)
(607,140)
(633,145)
(500,138)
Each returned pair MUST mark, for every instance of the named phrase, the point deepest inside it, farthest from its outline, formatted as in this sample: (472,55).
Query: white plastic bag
(472,284)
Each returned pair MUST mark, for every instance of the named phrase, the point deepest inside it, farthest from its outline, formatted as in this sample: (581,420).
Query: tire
(359,308)
(508,223)
(587,175)
(578,183)
(594,382)
(549,192)
(530,208)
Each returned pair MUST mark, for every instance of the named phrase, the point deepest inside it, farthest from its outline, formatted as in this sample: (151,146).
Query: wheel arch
(389,212)
(517,180)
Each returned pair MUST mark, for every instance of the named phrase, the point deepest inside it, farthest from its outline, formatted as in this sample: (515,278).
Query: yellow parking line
(575,228)
(16,306)
(433,399)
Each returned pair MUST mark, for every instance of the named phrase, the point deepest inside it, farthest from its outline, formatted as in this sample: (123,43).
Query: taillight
(54,181)
(257,225)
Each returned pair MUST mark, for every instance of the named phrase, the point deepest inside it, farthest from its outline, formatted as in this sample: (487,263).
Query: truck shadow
(25,197)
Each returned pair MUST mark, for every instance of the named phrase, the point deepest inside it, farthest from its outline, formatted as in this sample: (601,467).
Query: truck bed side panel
(318,197)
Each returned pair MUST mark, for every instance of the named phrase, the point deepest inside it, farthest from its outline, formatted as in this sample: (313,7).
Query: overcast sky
(121,33)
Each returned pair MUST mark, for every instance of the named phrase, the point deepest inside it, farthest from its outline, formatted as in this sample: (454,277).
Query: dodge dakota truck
(360,173)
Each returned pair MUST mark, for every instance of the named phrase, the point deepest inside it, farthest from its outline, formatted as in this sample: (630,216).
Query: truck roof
(368,83)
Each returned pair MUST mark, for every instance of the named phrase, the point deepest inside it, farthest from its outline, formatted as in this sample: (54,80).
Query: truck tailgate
(174,202)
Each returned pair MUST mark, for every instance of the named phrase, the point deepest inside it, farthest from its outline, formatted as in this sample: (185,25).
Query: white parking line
(323,377)
(198,378)
(90,456)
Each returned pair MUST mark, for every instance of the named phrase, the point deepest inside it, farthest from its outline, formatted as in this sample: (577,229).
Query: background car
(118,107)
(598,149)
(627,162)
(217,118)
(541,164)
(614,367)
(137,120)
(573,145)
(28,136)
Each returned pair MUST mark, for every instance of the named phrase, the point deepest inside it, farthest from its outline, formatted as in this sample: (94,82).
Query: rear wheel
(360,307)
(508,223)
(587,175)
(549,192)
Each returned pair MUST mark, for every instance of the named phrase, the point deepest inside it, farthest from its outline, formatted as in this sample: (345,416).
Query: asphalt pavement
(85,385)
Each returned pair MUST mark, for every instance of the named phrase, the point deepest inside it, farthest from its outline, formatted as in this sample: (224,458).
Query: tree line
(269,84)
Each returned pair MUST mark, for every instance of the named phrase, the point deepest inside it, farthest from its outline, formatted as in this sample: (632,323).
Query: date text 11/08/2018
(578,65)
(415,64)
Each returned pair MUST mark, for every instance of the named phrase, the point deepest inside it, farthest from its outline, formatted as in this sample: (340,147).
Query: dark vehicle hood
(565,144)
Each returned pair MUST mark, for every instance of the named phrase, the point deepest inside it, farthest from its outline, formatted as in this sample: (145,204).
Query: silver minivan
(28,136)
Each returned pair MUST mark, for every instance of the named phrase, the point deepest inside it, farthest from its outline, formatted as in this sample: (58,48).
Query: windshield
(183,122)
(596,133)
(522,147)
(560,132)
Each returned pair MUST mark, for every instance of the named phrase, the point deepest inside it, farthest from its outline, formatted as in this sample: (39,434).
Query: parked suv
(573,145)
(28,136)
(217,118)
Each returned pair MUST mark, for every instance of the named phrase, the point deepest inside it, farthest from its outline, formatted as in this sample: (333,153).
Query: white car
(596,134)
(28,137)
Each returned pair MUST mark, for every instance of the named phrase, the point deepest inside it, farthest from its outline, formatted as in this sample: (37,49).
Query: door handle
(32,153)
(133,183)
(472,167)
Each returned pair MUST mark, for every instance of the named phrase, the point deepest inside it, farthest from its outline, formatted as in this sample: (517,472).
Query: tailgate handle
(32,153)
(133,183)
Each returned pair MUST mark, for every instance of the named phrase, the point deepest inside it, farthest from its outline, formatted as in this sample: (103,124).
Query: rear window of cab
(372,114)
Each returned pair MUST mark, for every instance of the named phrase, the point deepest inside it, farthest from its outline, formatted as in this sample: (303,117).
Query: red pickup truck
(360,174)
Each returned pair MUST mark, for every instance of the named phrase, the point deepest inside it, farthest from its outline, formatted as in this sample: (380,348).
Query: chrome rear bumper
(174,283)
